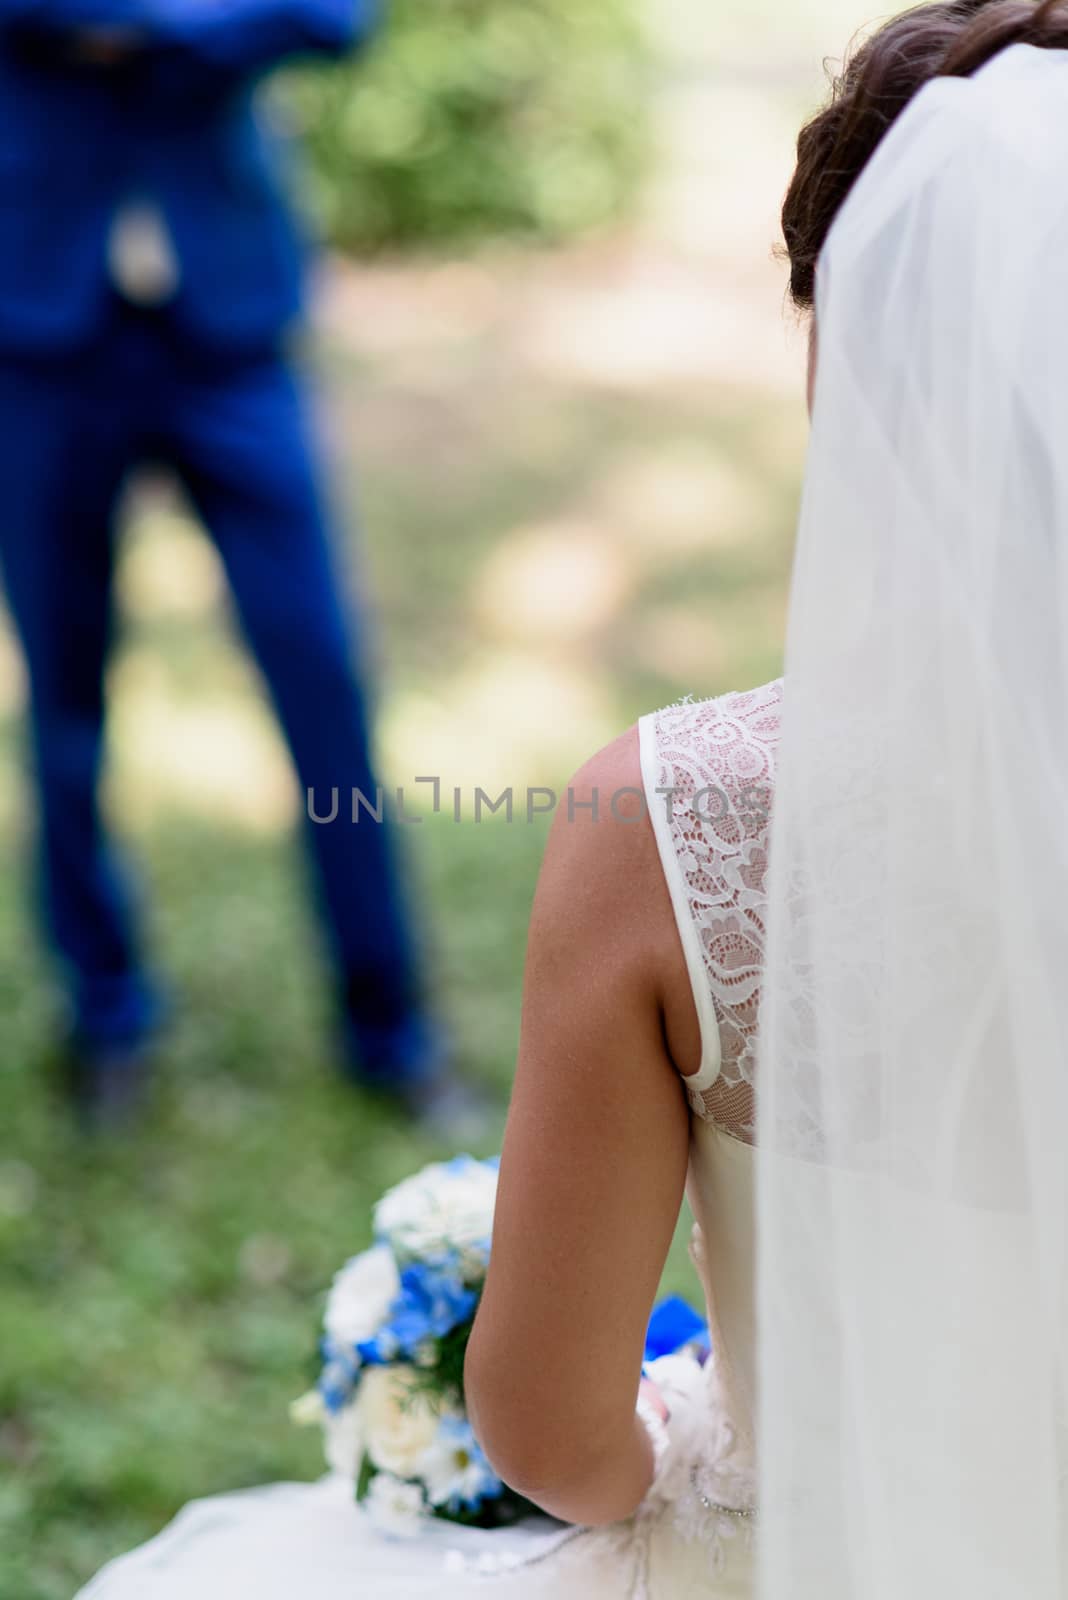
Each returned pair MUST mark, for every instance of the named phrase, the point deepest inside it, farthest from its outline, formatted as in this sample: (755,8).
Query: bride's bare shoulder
(603,897)
(600,842)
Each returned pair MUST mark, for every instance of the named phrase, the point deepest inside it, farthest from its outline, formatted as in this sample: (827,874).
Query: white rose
(362,1294)
(448,1206)
(397,1419)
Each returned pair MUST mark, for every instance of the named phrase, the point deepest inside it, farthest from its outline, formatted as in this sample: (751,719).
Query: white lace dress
(708,771)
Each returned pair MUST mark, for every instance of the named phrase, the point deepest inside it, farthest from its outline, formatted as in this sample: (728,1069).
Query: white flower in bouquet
(308,1410)
(343,1440)
(445,1209)
(455,1470)
(395,1508)
(361,1296)
(396,1418)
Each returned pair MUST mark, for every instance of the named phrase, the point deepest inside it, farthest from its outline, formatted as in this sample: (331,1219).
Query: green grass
(160,1296)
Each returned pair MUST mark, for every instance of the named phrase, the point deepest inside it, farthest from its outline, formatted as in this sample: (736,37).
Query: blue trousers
(235,431)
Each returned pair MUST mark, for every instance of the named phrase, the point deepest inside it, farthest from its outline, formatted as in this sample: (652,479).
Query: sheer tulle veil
(913,1197)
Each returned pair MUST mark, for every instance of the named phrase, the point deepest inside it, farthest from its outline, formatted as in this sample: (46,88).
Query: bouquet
(397,1324)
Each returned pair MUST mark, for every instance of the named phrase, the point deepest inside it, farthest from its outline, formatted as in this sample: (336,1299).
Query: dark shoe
(107,1085)
(394,1044)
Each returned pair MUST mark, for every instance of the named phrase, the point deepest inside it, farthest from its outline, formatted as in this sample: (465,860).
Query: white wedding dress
(311,1542)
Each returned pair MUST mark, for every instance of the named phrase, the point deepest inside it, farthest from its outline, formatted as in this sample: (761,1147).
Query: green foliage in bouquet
(441,1373)
(476,118)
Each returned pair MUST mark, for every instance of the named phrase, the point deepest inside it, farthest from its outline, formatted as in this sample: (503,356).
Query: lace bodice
(709,769)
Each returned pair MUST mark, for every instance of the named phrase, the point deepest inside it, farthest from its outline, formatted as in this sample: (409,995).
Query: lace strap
(708,770)
(661,798)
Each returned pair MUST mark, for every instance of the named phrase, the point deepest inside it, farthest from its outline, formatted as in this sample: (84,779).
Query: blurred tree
(476,117)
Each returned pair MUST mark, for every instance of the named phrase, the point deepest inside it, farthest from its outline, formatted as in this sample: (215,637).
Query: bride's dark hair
(953,39)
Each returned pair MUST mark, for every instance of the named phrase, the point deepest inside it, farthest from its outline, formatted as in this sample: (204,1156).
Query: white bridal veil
(914,1090)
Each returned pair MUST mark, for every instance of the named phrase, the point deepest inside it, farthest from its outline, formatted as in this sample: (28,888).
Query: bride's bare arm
(593,1169)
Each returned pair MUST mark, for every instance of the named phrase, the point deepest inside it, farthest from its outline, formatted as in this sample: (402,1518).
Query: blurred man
(148,275)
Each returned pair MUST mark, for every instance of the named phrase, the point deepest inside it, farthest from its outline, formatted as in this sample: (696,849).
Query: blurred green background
(565,429)
(477,117)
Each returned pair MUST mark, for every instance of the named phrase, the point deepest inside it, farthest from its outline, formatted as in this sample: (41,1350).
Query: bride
(899,930)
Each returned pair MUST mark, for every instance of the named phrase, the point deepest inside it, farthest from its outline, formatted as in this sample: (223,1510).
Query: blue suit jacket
(174,122)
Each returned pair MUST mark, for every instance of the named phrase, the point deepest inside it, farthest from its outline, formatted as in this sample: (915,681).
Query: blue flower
(337,1381)
(433,1301)
(672,1326)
